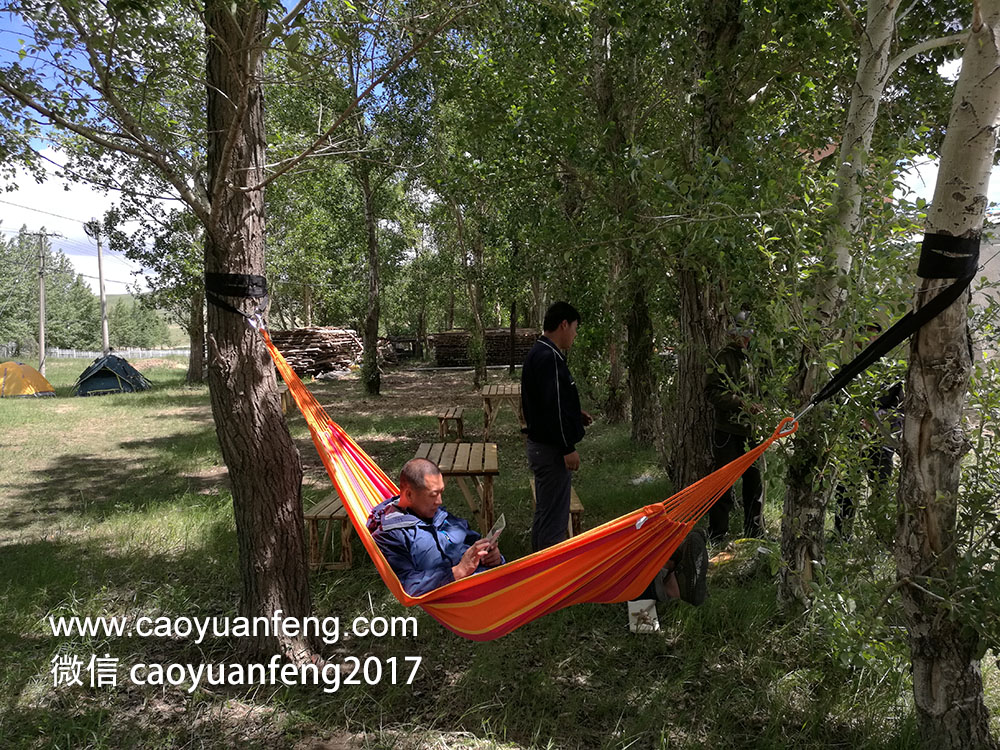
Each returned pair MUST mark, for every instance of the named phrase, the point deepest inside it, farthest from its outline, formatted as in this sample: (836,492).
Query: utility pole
(41,304)
(41,296)
(93,229)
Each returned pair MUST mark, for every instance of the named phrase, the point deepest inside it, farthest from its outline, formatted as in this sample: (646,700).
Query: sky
(54,208)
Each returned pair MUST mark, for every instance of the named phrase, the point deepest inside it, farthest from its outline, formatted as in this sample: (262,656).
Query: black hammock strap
(219,285)
(941,257)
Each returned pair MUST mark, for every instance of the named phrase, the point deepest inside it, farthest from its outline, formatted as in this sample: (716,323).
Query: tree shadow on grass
(96,486)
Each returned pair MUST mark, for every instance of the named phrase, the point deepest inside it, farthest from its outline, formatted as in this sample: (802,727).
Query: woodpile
(451,348)
(311,351)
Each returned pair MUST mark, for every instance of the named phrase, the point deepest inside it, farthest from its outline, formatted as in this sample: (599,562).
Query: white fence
(126,353)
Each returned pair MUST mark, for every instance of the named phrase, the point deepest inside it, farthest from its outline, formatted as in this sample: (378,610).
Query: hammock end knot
(786,427)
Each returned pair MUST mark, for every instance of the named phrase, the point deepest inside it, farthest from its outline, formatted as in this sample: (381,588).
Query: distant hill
(178,336)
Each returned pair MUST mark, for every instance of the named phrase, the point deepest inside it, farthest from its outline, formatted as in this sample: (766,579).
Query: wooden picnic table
(494,396)
(468,461)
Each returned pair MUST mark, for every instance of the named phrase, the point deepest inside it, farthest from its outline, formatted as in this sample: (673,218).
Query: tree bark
(702,302)
(700,335)
(262,460)
(616,402)
(371,378)
(627,292)
(196,340)
(644,392)
(947,682)
(802,526)
(307,306)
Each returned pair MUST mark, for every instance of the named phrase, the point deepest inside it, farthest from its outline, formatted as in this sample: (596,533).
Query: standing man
(555,422)
(729,386)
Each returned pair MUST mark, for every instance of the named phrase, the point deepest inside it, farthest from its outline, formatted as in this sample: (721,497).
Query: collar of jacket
(548,342)
(394,517)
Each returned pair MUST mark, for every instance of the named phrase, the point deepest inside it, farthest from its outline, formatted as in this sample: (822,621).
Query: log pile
(451,348)
(311,351)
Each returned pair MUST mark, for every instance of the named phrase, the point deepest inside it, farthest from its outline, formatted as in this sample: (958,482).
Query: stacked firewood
(311,351)
(451,348)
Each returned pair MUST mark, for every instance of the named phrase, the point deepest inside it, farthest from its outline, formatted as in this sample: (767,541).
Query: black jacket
(549,399)
(725,388)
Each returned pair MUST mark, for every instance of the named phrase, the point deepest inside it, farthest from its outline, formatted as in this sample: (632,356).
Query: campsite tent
(110,374)
(20,381)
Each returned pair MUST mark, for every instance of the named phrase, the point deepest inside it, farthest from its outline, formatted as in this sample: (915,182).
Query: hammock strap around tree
(941,257)
(613,562)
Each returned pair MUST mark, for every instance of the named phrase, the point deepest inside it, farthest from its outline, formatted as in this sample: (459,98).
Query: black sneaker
(692,568)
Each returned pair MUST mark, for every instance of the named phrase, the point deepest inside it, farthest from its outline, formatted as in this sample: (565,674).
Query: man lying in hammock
(427,546)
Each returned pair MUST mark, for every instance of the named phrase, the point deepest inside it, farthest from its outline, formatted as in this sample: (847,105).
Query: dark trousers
(553,482)
(878,467)
(727,447)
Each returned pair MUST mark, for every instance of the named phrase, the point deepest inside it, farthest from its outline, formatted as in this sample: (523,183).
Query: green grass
(119,505)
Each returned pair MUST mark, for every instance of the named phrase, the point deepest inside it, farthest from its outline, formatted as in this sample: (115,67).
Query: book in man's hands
(498,527)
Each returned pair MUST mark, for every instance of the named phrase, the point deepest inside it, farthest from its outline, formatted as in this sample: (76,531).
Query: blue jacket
(549,399)
(421,552)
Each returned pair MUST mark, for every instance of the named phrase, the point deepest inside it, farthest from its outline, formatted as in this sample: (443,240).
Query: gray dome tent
(110,374)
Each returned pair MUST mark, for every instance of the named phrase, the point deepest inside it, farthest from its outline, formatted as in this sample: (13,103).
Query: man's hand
(493,557)
(572,461)
(587,419)
(471,559)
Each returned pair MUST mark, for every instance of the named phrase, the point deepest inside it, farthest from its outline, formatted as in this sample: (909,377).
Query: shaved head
(415,472)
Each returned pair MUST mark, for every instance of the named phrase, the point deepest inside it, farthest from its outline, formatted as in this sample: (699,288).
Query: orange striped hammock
(614,562)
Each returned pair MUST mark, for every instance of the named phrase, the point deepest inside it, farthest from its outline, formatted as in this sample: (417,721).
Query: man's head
(560,324)
(420,487)
(741,331)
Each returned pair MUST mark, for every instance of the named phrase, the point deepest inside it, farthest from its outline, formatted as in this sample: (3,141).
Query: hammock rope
(613,562)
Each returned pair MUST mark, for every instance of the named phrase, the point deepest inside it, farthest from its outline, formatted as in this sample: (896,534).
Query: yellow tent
(17,380)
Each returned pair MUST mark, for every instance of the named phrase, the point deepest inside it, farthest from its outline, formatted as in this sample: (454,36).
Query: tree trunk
(700,336)
(802,526)
(307,306)
(647,417)
(477,343)
(196,340)
(627,293)
(537,303)
(701,300)
(263,464)
(947,682)
(371,378)
(513,338)
(616,403)
(515,247)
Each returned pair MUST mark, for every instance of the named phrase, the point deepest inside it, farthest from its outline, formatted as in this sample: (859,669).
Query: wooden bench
(575,525)
(328,512)
(453,414)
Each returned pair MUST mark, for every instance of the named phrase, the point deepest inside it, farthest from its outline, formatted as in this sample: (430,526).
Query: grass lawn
(119,505)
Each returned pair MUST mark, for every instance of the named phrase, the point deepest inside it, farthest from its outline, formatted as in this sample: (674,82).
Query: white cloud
(62,208)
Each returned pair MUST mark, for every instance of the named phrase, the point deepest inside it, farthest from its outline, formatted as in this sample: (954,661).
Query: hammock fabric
(614,562)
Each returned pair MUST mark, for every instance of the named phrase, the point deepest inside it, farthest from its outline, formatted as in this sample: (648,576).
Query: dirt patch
(144,365)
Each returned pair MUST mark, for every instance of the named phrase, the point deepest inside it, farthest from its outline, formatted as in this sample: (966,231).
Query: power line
(40,211)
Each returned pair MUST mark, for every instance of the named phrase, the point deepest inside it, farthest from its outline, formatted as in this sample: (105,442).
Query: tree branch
(396,64)
(189,197)
(859,30)
(925,46)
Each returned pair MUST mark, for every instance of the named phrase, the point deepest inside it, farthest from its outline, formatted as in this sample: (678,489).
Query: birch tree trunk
(808,487)
(262,460)
(947,683)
